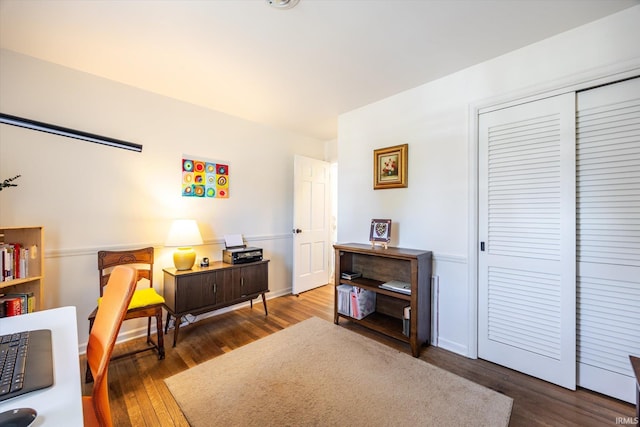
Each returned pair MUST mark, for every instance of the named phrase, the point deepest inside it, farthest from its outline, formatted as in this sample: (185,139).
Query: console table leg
(166,324)
(264,302)
(176,329)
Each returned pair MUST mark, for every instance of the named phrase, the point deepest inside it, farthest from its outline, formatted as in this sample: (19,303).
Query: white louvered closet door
(608,251)
(526,277)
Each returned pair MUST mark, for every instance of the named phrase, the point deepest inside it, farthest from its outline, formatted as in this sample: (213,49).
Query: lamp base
(184,258)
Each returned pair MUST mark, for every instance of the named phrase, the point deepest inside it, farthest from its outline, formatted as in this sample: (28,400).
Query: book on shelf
(27,301)
(13,261)
(350,275)
(397,286)
(12,306)
(406,321)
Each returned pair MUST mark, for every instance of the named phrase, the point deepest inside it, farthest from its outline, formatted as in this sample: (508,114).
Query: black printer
(241,254)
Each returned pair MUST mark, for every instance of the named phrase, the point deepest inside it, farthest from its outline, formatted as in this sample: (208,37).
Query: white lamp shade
(184,233)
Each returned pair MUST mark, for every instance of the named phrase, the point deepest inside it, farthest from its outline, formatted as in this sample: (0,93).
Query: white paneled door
(608,244)
(526,265)
(311,215)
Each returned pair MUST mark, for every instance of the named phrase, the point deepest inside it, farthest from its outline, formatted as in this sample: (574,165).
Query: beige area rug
(316,373)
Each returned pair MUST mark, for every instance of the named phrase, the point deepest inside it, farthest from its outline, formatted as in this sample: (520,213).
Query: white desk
(61,404)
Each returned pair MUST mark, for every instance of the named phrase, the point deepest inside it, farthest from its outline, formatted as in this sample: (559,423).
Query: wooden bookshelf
(377,266)
(31,238)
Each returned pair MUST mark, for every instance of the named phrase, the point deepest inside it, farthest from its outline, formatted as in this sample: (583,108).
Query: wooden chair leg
(160,337)
(88,377)
(149,340)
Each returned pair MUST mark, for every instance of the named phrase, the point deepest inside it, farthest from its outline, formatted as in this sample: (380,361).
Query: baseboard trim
(453,346)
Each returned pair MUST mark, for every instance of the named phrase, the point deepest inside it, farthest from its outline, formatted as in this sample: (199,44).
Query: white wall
(433,213)
(91,197)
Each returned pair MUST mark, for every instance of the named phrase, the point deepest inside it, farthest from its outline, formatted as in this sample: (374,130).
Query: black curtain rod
(71,133)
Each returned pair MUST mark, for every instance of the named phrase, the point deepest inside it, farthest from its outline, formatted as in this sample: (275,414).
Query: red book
(12,307)
(16,260)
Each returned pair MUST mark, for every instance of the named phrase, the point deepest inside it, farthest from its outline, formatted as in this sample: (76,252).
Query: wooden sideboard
(377,266)
(204,289)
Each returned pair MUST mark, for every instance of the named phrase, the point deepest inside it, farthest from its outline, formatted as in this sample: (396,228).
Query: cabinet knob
(297,231)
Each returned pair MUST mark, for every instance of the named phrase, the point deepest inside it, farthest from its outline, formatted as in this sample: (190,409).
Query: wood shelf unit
(377,266)
(31,238)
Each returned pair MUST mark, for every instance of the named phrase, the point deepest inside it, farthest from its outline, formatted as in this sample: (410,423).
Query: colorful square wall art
(202,178)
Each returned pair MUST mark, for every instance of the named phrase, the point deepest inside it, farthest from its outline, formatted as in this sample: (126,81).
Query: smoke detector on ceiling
(282,4)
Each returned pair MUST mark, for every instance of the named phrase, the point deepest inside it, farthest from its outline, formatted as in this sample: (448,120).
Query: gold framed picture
(390,167)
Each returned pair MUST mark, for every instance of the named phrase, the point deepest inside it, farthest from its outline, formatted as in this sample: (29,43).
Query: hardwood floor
(139,396)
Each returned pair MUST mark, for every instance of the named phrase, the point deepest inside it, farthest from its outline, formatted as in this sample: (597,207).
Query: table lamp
(184,234)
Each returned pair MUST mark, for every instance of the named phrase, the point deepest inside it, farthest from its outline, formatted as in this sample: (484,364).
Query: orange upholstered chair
(113,307)
(146,301)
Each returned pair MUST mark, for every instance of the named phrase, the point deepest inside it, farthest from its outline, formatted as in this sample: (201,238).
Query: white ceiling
(295,69)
